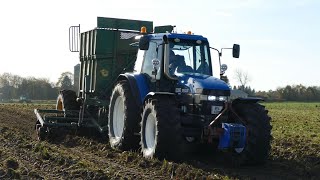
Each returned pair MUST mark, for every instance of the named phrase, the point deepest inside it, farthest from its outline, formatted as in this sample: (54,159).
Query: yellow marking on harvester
(104,72)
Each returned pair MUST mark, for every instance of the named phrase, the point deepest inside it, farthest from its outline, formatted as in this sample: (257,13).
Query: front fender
(247,100)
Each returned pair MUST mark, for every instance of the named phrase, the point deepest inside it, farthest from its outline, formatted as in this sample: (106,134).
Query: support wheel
(123,119)
(257,148)
(161,132)
(42,132)
(67,100)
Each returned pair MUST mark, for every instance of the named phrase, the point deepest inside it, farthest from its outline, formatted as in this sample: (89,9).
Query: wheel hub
(118,118)
(150,132)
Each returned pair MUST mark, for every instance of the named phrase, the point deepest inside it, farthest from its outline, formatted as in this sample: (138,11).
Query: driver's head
(180,60)
(171,45)
(172,57)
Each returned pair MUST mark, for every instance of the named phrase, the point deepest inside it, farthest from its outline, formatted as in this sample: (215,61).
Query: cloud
(223,14)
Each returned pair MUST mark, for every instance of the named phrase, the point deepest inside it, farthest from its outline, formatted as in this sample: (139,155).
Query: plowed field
(295,152)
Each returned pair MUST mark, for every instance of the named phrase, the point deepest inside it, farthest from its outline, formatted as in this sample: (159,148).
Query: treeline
(287,93)
(15,87)
(247,89)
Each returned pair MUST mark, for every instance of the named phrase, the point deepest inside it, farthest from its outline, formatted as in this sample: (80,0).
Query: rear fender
(138,86)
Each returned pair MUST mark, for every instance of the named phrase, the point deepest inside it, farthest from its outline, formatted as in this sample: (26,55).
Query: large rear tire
(258,138)
(123,119)
(161,131)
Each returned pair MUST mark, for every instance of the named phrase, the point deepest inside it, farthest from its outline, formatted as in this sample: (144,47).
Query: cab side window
(151,54)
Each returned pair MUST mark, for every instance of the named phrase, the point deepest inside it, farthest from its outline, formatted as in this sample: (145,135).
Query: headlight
(212,98)
(217,98)
(223,98)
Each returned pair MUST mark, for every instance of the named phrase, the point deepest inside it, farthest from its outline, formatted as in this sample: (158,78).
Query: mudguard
(247,100)
(138,85)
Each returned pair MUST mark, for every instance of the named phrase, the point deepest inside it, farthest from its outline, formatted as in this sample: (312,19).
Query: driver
(177,63)
(203,68)
(182,66)
(173,62)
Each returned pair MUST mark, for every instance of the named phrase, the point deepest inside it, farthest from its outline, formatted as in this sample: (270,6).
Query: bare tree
(242,77)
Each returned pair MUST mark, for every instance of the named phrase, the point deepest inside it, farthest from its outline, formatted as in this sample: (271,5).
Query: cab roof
(179,36)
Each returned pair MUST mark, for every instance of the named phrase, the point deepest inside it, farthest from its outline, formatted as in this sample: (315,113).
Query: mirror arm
(224,48)
(220,54)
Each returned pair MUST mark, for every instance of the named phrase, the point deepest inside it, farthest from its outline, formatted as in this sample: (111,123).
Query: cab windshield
(189,57)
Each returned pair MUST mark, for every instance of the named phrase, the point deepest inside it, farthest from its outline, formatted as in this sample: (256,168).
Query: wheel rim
(190,139)
(150,133)
(118,117)
(238,150)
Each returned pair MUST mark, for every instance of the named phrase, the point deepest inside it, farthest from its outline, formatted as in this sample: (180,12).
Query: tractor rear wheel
(258,138)
(161,132)
(123,119)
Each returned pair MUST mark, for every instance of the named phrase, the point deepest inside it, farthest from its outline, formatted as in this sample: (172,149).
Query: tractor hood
(196,82)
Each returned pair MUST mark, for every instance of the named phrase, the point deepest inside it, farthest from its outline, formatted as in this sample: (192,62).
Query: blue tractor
(181,104)
(157,93)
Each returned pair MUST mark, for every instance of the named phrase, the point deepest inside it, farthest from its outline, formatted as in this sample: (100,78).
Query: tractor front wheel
(161,131)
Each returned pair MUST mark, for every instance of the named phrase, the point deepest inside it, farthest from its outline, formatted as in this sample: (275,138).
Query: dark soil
(89,157)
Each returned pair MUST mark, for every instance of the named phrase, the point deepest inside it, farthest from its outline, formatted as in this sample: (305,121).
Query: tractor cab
(177,53)
(181,58)
(187,54)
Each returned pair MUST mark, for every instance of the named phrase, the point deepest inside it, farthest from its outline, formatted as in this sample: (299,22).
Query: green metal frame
(104,53)
(129,24)
(63,121)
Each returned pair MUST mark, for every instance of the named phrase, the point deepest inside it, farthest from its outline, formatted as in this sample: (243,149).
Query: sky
(278,38)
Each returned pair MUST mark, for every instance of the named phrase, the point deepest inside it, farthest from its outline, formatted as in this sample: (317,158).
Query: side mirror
(236,51)
(144,43)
